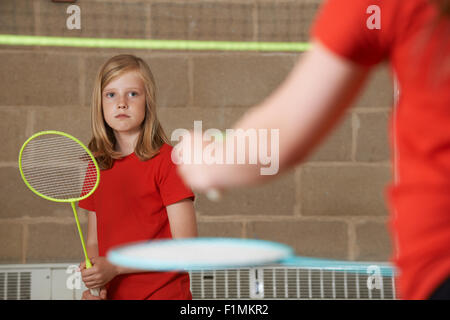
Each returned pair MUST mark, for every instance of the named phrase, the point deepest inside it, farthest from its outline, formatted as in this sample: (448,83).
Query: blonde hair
(152,135)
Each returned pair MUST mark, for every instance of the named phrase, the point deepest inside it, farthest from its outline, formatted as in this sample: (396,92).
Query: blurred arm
(304,108)
(308,104)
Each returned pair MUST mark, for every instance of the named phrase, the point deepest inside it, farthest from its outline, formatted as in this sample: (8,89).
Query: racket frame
(287,258)
(72,201)
(115,255)
(67,136)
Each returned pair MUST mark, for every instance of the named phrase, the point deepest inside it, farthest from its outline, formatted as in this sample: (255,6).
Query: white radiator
(277,282)
(40,282)
(62,282)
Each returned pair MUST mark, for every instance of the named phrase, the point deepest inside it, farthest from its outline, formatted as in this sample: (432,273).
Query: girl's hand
(101,273)
(88,296)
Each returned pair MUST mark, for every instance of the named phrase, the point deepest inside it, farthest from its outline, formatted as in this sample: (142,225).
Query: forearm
(308,105)
(92,250)
(303,109)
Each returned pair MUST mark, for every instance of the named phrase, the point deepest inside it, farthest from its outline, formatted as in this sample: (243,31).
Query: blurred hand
(205,167)
(200,176)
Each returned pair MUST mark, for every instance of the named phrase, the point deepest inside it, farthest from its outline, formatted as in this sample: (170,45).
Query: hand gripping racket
(58,167)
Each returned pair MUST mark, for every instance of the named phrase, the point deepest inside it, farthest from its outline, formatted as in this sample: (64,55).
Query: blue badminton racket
(224,253)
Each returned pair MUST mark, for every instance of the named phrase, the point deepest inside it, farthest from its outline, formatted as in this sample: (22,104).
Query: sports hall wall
(332,206)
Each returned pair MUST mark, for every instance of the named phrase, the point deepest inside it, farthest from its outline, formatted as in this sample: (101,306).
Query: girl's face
(123,103)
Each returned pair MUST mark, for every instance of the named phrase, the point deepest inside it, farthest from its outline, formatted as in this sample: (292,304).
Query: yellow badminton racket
(58,167)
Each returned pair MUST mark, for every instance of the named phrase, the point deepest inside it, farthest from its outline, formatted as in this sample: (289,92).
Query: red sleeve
(89,183)
(171,186)
(88,203)
(342,26)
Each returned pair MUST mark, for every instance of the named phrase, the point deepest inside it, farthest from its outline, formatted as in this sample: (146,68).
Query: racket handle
(214,195)
(95,292)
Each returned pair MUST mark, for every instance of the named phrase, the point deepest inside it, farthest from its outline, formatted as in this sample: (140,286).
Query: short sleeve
(88,203)
(89,182)
(171,187)
(348,28)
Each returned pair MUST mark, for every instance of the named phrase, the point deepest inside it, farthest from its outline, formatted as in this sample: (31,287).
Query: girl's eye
(133,94)
(110,95)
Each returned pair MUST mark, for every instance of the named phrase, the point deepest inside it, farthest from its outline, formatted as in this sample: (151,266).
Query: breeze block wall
(333,205)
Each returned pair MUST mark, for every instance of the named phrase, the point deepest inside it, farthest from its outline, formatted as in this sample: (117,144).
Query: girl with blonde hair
(140,195)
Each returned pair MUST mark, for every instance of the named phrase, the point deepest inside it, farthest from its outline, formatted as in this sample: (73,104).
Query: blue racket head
(199,254)
(384,269)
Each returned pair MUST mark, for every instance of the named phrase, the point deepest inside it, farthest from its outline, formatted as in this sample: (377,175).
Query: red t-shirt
(419,196)
(130,205)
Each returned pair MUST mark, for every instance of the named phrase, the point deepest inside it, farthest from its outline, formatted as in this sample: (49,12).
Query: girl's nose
(122,104)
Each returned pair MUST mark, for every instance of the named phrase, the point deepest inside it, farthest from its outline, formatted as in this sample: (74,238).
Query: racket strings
(58,167)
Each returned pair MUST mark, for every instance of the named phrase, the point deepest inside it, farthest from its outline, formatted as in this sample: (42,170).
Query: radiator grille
(289,283)
(270,282)
(15,285)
